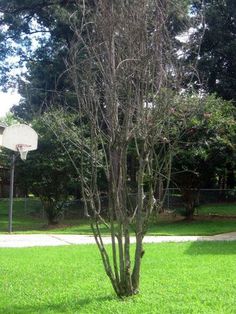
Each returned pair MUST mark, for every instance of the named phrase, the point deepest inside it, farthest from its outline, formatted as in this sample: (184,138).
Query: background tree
(216,31)
(206,148)
(48,172)
(37,36)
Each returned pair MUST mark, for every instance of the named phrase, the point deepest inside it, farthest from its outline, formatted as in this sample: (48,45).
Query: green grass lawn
(198,227)
(160,228)
(217,209)
(176,278)
(25,220)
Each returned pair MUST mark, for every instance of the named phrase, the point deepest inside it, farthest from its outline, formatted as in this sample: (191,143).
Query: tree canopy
(36,35)
(40,34)
(214,39)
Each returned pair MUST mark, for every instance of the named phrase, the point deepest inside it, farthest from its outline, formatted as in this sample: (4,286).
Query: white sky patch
(184,38)
(7,100)
(11,98)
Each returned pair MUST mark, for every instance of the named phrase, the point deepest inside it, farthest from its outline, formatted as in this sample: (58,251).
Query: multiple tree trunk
(124,70)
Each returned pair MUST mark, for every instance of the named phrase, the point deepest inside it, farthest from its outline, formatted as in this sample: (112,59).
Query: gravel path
(30,240)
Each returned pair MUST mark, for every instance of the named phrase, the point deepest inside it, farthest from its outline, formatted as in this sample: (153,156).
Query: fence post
(168,198)
(25,205)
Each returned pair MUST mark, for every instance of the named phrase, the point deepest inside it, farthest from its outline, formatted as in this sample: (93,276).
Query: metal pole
(168,198)
(25,204)
(11,193)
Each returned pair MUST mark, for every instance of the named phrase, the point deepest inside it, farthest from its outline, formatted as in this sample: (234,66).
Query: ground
(178,278)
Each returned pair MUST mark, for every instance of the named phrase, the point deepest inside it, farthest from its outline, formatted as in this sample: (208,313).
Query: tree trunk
(189,211)
(189,198)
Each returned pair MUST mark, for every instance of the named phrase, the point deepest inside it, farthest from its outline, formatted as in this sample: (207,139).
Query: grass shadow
(212,248)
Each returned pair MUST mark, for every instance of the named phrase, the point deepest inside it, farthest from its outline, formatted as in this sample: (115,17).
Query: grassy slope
(176,278)
(25,223)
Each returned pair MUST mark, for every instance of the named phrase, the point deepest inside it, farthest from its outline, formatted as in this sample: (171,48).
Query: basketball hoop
(18,138)
(23,149)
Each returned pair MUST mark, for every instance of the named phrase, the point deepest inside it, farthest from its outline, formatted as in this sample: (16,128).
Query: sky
(7,100)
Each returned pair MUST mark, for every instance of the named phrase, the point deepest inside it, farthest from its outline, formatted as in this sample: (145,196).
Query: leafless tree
(120,63)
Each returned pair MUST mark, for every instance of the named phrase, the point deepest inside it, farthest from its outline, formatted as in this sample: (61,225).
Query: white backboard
(20,134)
(2,128)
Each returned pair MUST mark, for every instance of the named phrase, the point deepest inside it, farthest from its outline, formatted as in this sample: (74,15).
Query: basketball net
(23,150)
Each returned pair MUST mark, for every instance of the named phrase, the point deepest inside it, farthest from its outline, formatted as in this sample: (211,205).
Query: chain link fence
(174,201)
(174,198)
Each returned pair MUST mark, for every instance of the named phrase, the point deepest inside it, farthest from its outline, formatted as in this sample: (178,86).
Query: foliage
(71,131)
(36,34)
(215,44)
(206,147)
